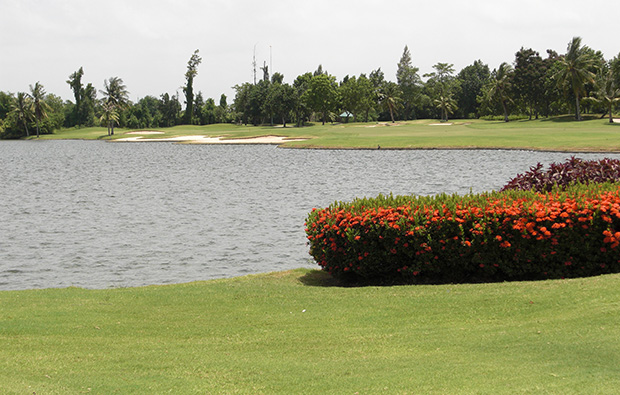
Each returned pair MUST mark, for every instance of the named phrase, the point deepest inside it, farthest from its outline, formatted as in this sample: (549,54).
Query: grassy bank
(292,332)
(559,134)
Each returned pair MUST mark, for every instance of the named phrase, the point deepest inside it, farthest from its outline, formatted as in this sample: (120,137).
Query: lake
(97,215)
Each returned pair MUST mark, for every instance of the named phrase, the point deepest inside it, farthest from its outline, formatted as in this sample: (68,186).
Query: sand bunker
(215,140)
(145,132)
(439,124)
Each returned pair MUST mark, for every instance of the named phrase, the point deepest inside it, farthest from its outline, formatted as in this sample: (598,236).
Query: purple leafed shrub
(574,170)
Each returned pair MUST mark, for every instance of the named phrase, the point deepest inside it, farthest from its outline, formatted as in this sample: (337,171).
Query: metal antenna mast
(254,63)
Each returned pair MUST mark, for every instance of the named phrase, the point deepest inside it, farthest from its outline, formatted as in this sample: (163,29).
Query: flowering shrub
(561,175)
(512,235)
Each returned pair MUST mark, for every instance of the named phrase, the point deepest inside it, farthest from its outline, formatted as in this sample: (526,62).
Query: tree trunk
(611,117)
(37,128)
(577,108)
(391,113)
(505,111)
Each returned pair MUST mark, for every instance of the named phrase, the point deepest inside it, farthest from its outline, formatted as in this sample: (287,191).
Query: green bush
(498,236)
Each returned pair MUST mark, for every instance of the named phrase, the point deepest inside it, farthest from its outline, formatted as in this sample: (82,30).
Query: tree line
(581,80)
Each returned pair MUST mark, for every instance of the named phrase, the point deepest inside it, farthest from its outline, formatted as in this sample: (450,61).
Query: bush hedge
(561,175)
(497,236)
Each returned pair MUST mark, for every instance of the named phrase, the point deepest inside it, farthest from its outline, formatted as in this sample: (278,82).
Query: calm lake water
(99,215)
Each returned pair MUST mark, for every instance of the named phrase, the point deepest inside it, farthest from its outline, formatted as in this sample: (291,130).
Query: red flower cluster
(490,237)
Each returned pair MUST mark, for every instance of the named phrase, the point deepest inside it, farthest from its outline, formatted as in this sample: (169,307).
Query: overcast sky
(147,43)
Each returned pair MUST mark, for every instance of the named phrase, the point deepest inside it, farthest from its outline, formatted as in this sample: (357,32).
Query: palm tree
(499,88)
(116,95)
(22,110)
(607,92)
(389,97)
(109,115)
(447,105)
(575,71)
(39,106)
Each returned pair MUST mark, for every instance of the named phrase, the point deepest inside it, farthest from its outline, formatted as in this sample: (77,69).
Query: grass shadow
(318,278)
(570,118)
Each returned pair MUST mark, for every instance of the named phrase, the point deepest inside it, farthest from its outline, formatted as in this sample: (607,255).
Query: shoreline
(281,140)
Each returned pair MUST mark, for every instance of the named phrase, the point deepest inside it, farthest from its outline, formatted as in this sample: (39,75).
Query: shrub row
(561,175)
(498,236)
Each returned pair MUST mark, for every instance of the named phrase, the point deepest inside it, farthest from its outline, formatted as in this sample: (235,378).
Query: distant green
(554,134)
(295,332)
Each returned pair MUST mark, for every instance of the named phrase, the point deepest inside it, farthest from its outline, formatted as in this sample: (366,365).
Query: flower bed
(561,175)
(499,236)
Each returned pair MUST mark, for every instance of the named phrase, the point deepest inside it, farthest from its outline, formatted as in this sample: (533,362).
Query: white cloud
(148,42)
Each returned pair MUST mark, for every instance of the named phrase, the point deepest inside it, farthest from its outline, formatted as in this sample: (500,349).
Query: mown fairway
(556,134)
(292,332)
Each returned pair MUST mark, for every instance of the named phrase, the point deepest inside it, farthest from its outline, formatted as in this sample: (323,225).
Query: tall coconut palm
(390,97)
(115,94)
(22,108)
(39,106)
(575,71)
(499,87)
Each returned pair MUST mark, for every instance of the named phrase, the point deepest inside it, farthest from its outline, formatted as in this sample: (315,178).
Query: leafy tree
(322,95)
(350,95)
(277,78)
(188,90)
(75,82)
(409,82)
(242,102)
(258,96)
(6,101)
(472,80)
(529,74)
(552,103)
(281,100)
(367,95)
(576,71)
(301,110)
(39,106)
(87,110)
(22,108)
(206,112)
(319,71)
(499,88)
(390,97)
(221,112)
(614,66)
(169,107)
(115,94)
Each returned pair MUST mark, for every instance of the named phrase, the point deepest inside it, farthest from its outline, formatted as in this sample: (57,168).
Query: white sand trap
(616,120)
(439,124)
(145,132)
(215,140)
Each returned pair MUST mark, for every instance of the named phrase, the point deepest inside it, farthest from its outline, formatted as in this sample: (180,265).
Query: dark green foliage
(471,79)
(528,80)
(188,89)
(563,175)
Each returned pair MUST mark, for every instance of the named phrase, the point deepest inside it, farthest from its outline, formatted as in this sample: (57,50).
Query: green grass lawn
(294,332)
(557,134)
